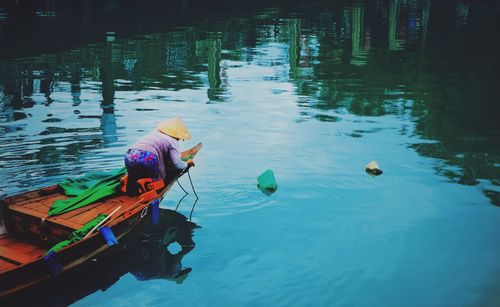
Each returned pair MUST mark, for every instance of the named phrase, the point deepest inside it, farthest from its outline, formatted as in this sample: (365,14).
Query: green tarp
(78,234)
(87,189)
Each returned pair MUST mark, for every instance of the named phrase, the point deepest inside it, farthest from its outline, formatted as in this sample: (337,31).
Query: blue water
(315,95)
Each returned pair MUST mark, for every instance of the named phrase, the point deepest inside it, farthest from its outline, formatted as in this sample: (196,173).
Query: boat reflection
(146,253)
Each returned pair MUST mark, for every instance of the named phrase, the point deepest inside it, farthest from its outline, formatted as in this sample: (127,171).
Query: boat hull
(31,233)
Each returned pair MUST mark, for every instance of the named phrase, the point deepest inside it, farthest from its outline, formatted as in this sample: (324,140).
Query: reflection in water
(76,88)
(394,43)
(108,120)
(145,253)
(412,59)
(385,84)
(449,101)
(294,28)
(425,21)
(315,89)
(46,85)
(214,80)
(151,255)
(358,54)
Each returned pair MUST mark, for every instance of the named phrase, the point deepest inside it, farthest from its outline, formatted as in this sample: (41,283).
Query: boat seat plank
(87,216)
(14,256)
(43,205)
(14,242)
(32,205)
(76,218)
(69,215)
(6,265)
(14,252)
(42,198)
(107,208)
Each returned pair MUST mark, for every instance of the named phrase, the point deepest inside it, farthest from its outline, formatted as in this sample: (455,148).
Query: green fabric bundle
(78,234)
(87,189)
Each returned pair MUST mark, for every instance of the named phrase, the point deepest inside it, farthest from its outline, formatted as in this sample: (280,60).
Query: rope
(182,198)
(186,193)
(181,186)
(192,186)
(194,191)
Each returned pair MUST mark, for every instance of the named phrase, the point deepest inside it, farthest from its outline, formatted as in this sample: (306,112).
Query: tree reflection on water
(435,63)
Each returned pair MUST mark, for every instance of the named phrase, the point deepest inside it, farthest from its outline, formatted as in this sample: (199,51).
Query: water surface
(313,92)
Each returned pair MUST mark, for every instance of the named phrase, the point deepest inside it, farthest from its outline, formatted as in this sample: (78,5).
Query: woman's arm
(175,157)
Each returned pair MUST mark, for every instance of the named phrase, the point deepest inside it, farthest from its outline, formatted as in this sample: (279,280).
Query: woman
(157,155)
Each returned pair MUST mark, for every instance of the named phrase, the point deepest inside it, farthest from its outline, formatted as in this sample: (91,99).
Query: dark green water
(313,91)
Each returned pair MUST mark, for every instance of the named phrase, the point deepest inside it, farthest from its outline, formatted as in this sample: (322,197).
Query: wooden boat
(144,256)
(28,233)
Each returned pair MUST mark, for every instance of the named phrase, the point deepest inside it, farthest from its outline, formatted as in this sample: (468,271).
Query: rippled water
(313,92)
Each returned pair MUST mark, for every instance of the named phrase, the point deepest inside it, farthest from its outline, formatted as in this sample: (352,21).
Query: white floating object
(372,168)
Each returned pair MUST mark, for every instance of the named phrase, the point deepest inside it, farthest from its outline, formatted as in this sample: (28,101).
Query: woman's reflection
(157,256)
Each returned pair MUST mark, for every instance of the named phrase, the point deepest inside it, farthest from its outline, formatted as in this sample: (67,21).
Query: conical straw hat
(176,128)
